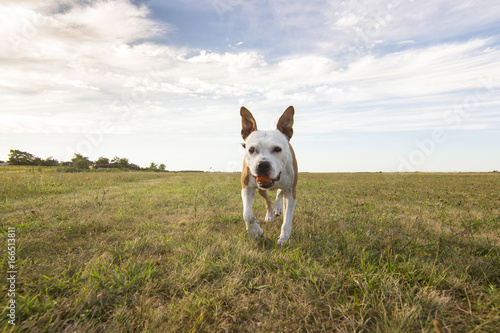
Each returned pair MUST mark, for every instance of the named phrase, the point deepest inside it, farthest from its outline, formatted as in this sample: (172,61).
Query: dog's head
(267,152)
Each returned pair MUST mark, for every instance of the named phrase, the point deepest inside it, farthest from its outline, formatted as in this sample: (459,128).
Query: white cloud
(75,31)
(351,28)
(348,67)
(93,62)
(118,22)
(348,20)
(425,71)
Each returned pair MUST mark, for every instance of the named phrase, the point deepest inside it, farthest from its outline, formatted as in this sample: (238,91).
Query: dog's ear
(248,124)
(285,123)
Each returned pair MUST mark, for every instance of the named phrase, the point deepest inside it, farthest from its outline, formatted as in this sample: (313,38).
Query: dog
(269,164)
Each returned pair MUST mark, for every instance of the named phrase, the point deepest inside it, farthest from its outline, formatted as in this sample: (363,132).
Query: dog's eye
(251,150)
(277,149)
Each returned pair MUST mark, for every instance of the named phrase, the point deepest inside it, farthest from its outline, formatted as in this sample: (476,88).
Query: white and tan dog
(269,164)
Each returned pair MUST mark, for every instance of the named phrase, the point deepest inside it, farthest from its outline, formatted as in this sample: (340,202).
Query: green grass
(155,252)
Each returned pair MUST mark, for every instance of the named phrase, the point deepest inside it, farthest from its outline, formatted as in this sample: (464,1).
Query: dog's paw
(255,230)
(282,240)
(269,217)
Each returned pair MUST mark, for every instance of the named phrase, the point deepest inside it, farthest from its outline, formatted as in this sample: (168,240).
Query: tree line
(79,162)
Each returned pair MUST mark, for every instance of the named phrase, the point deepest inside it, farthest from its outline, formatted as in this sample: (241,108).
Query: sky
(396,85)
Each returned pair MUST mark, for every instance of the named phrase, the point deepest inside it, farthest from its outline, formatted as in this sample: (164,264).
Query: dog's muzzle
(265,182)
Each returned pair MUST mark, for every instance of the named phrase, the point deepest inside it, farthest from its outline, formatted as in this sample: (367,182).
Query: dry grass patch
(136,252)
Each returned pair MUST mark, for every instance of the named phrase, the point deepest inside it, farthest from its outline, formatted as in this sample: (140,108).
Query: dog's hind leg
(278,205)
(269,206)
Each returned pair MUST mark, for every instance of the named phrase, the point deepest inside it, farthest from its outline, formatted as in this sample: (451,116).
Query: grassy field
(168,252)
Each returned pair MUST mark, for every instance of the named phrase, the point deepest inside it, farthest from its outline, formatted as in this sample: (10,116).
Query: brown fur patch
(245,175)
(248,123)
(296,173)
(285,123)
(269,204)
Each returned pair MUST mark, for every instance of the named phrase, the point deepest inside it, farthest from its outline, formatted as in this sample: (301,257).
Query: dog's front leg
(289,207)
(248,197)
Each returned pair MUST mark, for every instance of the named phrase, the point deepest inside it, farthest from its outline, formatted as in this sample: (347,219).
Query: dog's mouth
(265,182)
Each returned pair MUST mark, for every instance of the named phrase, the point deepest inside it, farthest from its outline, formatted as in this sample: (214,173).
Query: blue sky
(394,85)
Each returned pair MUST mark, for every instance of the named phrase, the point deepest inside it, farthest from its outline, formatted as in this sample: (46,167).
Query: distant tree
(50,161)
(102,160)
(18,157)
(133,166)
(162,167)
(80,162)
(37,161)
(153,166)
(122,162)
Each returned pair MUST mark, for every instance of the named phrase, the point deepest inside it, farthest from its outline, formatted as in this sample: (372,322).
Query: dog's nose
(263,168)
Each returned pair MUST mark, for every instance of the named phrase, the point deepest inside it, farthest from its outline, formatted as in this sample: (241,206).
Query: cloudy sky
(397,85)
